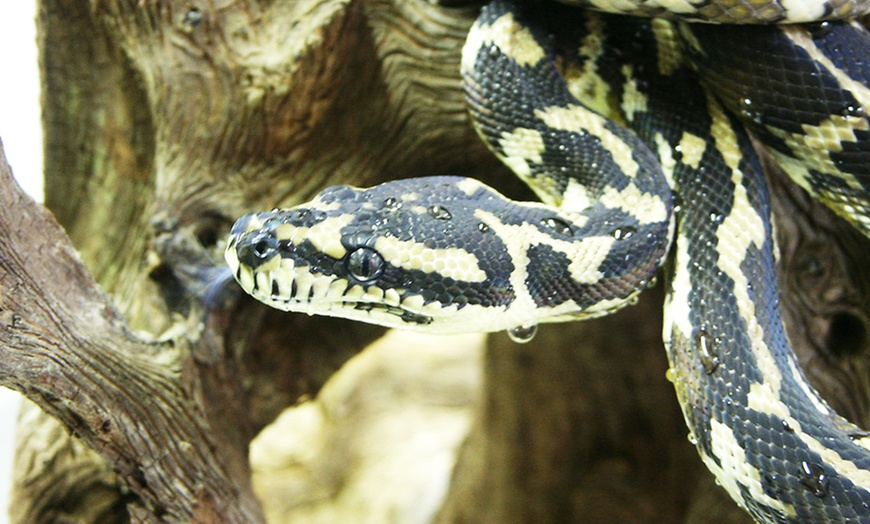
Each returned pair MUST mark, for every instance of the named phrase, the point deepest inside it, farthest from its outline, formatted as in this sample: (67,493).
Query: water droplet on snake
(814,477)
(678,205)
(557,225)
(523,334)
(622,233)
(749,112)
(853,110)
(820,30)
(300,215)
(391,204)
(483,228)
(707,351)
(439,212)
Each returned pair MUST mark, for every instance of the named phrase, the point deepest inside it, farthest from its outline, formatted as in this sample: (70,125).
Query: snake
(634,123)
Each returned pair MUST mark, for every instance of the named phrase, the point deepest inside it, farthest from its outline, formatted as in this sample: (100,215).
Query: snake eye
(365,264)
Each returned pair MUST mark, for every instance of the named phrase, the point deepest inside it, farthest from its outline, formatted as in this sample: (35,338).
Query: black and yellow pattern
(633,132)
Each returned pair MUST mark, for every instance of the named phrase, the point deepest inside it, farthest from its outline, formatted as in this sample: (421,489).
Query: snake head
(399,254)
(443,255)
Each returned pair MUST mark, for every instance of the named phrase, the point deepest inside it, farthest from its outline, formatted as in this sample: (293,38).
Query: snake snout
(245,224)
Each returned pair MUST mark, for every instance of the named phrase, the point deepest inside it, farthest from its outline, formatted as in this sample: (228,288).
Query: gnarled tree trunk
(164,121)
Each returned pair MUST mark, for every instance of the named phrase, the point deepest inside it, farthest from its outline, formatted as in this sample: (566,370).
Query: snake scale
(634,132)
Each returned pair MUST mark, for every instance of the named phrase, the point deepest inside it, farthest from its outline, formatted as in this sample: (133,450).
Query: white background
(22,139)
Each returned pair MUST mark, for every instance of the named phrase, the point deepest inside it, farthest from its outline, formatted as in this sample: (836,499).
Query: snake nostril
(258,249)
(262,248)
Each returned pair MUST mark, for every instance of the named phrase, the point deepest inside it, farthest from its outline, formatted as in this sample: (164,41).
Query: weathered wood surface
(164,121)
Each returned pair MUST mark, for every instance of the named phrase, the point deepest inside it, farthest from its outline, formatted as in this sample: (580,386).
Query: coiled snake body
(553,91)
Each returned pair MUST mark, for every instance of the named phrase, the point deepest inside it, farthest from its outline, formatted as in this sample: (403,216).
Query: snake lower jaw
(299,290)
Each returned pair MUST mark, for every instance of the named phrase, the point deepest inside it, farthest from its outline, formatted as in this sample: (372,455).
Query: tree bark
(138,403)
(164,121)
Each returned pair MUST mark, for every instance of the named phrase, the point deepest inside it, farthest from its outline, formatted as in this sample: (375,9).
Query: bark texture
(165,120)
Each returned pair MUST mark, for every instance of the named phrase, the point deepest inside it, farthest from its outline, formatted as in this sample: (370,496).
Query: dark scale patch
(550,283)
(495,293)
(650,179)
(763,290)
(305,254)
(675,104)
(628,40)
(707,196)
(760,75)
(503,97)
(855,158)
(847,47)
(300,217)
(340,193)
(821,182)
(582,157)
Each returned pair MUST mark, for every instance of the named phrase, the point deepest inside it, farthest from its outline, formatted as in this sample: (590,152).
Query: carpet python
(634,133)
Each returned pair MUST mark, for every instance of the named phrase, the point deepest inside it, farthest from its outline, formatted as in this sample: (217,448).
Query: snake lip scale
(634,133)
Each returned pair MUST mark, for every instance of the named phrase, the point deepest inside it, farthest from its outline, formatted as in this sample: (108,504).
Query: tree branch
(138,403)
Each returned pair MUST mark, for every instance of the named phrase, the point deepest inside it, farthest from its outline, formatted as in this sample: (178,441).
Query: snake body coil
(553,92)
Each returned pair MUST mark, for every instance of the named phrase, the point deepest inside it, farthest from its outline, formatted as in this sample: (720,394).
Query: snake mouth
(284,285)
(406,316)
